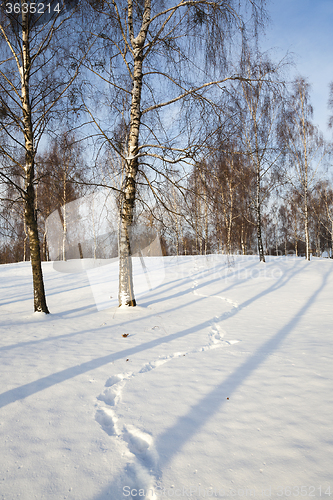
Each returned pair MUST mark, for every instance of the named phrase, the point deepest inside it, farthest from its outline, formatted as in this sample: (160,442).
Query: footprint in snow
(138,441)
(154,364)
(216,334)
(114,379)
(107,419)
(216,337)
(140,444)
(111,396)
(114,386)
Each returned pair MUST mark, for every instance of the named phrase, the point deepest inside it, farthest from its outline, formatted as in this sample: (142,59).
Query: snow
(222,386)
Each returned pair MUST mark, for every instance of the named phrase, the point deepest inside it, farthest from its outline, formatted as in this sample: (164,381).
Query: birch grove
(306,149)
(216,159)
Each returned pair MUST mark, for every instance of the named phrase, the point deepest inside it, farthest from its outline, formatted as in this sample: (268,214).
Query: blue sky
(305,28)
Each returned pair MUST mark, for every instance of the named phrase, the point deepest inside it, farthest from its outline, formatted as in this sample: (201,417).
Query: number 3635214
(32,8)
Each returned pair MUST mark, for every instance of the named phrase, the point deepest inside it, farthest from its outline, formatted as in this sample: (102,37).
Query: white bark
(126,292)
(29,202)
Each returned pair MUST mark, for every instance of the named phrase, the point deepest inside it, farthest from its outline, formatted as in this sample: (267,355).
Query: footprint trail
(138,445)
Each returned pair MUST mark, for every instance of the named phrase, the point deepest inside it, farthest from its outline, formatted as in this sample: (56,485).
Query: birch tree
(323,208)
(32,83)
(257,106)
(61,170)
(226,172)
(305,146)
(161,57)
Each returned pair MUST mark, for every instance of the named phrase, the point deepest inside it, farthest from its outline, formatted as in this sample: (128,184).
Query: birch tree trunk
(206,221)
(29,198)
(306,225)
(258,210)
(306,182)
(126,292)
(25,239)
(242,239)
(231,196)
(64,215)
(305,176)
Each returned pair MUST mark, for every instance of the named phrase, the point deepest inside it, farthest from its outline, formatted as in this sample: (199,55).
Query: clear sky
(305,28)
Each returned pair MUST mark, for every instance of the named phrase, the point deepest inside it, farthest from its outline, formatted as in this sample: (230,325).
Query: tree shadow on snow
(280,282)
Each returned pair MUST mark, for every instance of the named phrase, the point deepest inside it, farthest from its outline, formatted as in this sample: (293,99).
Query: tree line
(171,107)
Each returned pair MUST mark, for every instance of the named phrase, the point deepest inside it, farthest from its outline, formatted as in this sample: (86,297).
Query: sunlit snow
(219,384)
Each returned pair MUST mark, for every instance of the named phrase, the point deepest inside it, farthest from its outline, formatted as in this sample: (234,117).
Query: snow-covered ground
(221,388)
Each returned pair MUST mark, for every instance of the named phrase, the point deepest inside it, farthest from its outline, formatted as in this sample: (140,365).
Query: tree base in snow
(130,303)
